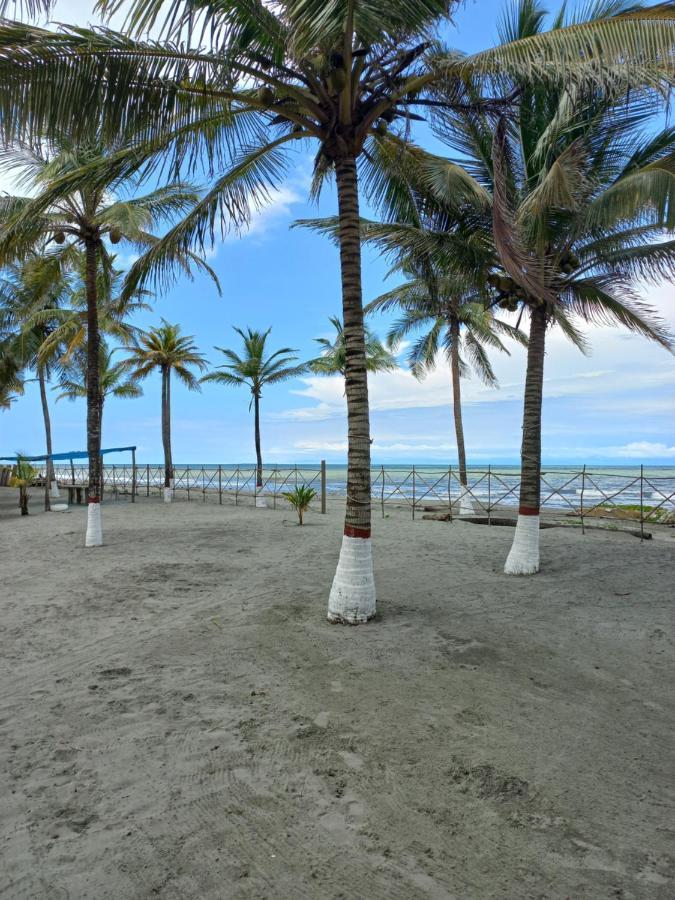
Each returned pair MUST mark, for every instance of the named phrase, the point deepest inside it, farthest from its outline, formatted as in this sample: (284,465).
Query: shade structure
(72,454)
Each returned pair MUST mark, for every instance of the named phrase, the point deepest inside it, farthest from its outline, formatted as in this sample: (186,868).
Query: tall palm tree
(581,193)
(333,359)
(86,215)
(255,370)
(266,77)
(164,348)
(40,285)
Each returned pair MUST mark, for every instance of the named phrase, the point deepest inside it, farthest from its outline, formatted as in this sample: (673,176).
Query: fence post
(489,494)
(147,480)
(642,514)
(72,472)
(236,490)
(114,482)
(583,487)
(413,479)
(220,486)
(450,491)
(323,487)
(133,476)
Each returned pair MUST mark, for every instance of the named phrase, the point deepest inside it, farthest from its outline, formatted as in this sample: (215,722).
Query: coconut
(266,95)
(59,237)
(115,235)
(505,283)
(389,115)
(493,279)
(337,60)
(381,127)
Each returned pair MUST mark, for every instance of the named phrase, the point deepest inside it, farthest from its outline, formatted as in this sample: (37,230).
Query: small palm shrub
(300,499)
(24,475)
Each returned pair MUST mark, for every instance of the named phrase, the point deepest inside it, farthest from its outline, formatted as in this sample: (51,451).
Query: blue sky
(616,406)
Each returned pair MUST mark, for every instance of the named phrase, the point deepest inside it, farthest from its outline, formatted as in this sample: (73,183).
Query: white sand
(177,719)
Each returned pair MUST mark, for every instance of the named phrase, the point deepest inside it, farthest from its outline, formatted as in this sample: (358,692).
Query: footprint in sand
(336,687)
(322,719)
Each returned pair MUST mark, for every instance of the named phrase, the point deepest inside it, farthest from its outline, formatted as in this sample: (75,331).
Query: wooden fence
(581,494)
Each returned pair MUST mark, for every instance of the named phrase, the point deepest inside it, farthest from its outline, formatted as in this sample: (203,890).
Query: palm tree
(41,285)
(581,191)
(272,76)
(85,216)
(166,349)
(255,370)
(453,317)
(333,359)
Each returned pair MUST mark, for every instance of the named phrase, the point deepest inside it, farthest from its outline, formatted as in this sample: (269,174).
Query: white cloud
(619,367)
(276,211)
(641,450)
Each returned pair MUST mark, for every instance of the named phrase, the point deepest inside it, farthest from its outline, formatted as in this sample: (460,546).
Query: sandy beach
(177,719)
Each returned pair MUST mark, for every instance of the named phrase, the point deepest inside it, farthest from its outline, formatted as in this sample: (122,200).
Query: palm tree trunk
(49,468)
(352,596)
(523,558)
(94,537)
(260,501)
(465,505)
(166,434)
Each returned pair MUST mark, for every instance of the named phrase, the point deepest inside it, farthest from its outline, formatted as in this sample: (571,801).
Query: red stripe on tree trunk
(355,531)
(528,510)
(93,499)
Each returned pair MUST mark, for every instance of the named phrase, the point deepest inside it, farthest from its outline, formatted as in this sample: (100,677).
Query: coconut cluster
(510,293)
(333,73)
(569,262)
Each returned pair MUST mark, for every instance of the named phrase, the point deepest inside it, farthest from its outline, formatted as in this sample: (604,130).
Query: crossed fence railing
(489,492)
(582,494)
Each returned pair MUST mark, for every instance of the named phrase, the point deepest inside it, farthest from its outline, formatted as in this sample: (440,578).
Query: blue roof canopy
(73,454)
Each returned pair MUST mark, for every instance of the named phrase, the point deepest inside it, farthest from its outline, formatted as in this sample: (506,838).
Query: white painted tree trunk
(260,501)
(352,596)
(465,503)
(94,536)
(54,491)
(523,558)
(168,492)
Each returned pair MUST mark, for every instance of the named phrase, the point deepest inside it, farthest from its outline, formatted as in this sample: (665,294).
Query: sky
(615,406)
